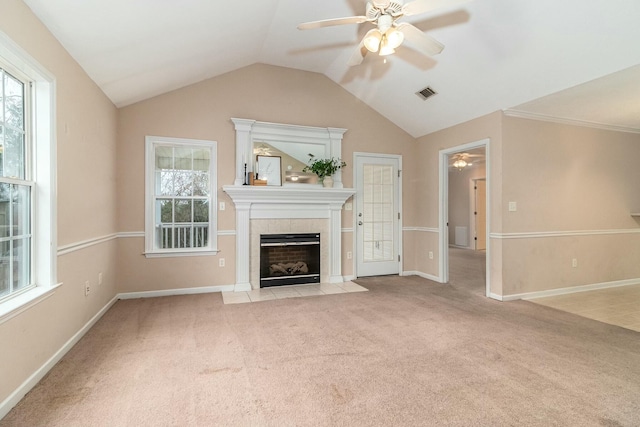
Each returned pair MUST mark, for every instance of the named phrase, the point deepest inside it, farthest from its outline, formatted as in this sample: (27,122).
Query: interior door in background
(377,215)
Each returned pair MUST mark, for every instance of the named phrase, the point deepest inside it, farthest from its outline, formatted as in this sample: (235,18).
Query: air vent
(425,93)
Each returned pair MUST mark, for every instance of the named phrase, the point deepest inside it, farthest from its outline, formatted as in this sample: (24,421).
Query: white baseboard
(172,292)
(570,290)
(461,247)
(348,278)
(496,297)
(15,397)
(423,275)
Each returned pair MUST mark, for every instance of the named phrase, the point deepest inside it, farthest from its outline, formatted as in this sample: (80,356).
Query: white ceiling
(498,55)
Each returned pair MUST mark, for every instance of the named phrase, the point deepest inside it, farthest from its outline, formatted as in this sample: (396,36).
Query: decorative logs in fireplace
(289,259)
(288,269)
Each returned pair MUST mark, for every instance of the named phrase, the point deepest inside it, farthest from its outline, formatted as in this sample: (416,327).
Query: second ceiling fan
(389,34)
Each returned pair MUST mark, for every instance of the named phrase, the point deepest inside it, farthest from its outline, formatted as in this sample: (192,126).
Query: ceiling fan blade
(425,43)
(330,22)
(417,7)
(358,55)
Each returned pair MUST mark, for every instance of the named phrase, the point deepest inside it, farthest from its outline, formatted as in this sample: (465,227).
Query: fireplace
(269,210)
(289,259)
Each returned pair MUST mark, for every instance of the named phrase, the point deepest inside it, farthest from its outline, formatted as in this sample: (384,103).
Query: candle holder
(245,178)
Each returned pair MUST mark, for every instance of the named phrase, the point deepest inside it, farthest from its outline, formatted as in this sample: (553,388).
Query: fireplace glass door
(289,259)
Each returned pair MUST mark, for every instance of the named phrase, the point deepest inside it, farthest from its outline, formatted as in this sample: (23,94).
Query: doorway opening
(464,222)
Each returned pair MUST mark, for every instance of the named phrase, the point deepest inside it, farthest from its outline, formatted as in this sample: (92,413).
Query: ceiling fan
(462,160)
(389,34)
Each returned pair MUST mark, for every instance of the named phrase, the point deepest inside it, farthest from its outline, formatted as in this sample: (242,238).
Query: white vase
(327,182)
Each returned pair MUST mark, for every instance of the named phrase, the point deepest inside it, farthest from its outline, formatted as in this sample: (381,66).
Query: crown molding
(566,121)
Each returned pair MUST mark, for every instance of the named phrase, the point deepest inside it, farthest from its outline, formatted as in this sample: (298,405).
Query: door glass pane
(378,213)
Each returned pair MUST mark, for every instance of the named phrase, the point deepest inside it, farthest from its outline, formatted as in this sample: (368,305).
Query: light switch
(348,206)
(513,206)
(222,206)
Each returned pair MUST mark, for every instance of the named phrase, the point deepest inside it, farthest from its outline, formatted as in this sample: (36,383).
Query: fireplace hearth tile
(235,297)
(351,287)
(296,291)
(330,288)
(288,292)
(310,290)
(256,295)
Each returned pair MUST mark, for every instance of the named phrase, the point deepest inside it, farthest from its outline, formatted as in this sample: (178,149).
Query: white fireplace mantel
(308,201)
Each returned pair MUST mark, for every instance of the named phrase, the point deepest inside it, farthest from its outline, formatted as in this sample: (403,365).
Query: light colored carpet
(468,270)
(408,352)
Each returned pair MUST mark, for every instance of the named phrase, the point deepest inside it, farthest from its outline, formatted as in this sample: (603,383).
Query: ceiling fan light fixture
(372,40)
(385,47)
(394,38)
(459,164)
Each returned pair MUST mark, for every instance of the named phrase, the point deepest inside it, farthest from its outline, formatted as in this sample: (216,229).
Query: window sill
(180,254)
(14,306)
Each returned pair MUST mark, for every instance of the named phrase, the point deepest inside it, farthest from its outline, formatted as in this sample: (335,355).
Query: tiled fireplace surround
(289,208)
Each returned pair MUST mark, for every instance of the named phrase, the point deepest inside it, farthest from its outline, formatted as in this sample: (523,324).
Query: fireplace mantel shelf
(286,195)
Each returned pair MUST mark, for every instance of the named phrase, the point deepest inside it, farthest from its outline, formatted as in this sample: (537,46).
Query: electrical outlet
(348,206)
(574,262)
(100,278)
(349,255)
(221,262)
(430,254)
(513,206)
(87,288)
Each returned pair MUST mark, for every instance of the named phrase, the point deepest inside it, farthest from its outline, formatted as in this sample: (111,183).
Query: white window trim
(150,250)
(44,174)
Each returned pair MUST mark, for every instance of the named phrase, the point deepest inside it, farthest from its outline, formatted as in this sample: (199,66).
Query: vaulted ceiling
(572,59)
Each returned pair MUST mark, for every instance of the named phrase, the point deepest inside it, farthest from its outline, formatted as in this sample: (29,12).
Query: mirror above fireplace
(293,143)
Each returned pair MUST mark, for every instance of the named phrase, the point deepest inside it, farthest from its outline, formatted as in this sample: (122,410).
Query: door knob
(359,222)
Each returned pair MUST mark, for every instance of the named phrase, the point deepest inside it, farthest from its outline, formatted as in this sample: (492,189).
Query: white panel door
(377,215)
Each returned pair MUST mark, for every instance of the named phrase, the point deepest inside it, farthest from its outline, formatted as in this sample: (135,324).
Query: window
(16,185)
(181,183)
(28,243)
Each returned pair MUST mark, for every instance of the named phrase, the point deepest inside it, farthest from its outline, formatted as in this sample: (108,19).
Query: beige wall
(426,200)
(203,111)
(86,145)
(569,179)
(564,179)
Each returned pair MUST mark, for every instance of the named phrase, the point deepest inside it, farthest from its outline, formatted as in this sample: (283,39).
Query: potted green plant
(324,168)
